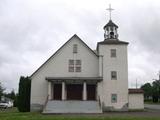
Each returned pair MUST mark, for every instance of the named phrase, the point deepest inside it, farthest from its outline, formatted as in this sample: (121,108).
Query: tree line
(152,91)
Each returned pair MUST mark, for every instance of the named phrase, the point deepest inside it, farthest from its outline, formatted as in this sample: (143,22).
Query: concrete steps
(72,107)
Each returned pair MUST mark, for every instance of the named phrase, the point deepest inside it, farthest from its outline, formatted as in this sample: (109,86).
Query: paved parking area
(152,106)
(149,111)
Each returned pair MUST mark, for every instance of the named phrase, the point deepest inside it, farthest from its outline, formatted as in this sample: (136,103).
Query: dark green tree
(1,90)
(147,88)
(12,95)
(152,89)
(24,94)
(156,90)
(16,100)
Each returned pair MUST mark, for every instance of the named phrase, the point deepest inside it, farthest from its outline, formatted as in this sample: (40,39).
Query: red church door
(74,91)
(91,92)
(57,92)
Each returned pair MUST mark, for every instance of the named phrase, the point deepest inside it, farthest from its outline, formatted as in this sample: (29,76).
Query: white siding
(57,66)
(119,86)
(136,101)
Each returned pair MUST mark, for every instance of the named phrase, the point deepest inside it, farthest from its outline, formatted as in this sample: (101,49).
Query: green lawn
(150,102)
(13,114)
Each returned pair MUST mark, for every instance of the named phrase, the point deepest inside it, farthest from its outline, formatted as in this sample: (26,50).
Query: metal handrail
(99,100)
(46,101)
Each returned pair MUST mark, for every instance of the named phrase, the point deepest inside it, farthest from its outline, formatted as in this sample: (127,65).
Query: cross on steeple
(110,29)
(110,10)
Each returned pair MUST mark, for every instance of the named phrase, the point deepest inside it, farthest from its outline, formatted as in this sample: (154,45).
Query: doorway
(91,92)
(74,91)
(57,92)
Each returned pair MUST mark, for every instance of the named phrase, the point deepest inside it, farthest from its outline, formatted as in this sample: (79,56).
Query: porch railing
(45,103)
(99,101)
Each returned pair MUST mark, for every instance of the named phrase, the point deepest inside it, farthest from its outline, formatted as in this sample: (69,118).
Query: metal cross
(110,10)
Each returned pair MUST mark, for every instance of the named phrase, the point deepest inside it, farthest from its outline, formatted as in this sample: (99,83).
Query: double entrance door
(74,91)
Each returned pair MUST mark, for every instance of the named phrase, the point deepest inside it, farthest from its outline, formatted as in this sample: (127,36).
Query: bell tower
(113,68)
(110,29)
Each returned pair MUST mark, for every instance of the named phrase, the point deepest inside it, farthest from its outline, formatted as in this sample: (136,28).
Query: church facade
(76,79)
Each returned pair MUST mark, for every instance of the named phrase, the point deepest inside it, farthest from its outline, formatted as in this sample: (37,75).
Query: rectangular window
(78,62)
(78,65)
(113,53)
(78,68)
(71,62)
(75,48)
(113,98)
(113,75)
(74,65)
(71,66)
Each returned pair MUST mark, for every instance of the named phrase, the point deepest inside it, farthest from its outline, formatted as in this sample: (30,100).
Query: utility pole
(159,75)
(136,83)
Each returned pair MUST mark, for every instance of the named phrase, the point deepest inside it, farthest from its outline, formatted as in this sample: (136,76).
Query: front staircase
(72,107)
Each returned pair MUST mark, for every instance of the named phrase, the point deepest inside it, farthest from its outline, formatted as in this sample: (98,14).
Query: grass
(13,114)
(150,102)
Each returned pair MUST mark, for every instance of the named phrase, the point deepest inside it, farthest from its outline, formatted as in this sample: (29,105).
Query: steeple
(110,29)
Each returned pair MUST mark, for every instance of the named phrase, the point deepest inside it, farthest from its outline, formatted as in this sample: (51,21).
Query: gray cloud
(32,30)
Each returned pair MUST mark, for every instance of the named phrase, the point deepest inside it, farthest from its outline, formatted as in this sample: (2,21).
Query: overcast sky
(32,30)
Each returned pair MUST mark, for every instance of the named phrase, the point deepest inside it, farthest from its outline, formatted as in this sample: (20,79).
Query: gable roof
(135,91)
(61,48)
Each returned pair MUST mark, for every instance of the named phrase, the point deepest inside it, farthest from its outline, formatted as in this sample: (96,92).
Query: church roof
(135,91)
(110,23)
(112,41)
(61,48)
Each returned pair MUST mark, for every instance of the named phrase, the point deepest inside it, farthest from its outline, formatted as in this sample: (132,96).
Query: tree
(147,88)
(156,90)
(152,89)
(1,90)
(24,94)
(16,100)
(12,95)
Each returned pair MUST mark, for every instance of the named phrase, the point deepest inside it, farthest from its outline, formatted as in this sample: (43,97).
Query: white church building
(77,79)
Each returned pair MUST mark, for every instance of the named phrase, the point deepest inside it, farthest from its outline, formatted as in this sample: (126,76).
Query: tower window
(113,98)
(113,75)
(113,53)
(75,48)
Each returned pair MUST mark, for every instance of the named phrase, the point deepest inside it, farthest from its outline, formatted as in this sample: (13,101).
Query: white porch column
(84,90)
(49,90)
(63,91)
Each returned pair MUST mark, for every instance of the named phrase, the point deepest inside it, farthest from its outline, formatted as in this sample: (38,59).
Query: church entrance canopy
(72,88)
(74,79)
